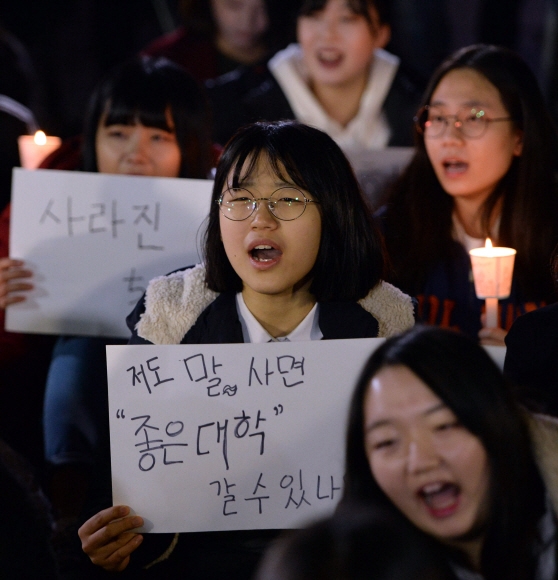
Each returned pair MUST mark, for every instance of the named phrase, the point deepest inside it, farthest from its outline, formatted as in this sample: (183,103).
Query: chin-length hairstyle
(364,8)
(418,217)
(465,378)
(143,90)
(350,259)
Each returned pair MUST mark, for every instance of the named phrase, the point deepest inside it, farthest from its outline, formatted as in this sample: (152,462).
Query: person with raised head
(337,78)
(436,435)
(291,253)
(484,167)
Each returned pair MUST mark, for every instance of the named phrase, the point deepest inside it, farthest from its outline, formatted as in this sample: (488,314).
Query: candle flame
(488,243)
(40,138)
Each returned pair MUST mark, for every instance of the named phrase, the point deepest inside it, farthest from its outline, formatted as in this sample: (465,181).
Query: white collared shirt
(253,331)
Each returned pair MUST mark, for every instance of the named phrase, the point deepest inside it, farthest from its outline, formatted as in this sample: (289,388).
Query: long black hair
(418,220)
(350,259)
(465,378)
(143,90)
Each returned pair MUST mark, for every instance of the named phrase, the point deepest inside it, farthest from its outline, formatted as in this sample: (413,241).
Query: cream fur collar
(173,303)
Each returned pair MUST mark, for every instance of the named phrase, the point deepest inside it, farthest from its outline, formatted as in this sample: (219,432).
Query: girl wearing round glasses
(291,253)
(436,437)
(484,166)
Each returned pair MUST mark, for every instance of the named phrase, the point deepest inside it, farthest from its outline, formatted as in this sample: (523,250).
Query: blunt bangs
(122,111)
(147,90)
(143,92)
(292,150)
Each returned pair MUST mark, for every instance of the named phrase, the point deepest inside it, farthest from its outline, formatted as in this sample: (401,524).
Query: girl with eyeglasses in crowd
(291,253)
(484,166)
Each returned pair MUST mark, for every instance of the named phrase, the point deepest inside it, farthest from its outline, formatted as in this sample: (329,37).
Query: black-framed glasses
(471,122)
(286,203)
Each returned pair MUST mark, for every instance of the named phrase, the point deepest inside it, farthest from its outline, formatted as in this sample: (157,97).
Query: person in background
(220,35)
(484,167)
(436,436)
(337,78)
(148,117)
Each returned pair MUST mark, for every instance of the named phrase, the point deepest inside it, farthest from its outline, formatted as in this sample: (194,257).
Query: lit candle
(33,149)
(492,272)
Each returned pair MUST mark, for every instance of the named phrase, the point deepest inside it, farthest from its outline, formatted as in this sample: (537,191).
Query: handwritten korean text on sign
(94,241)
(223,437)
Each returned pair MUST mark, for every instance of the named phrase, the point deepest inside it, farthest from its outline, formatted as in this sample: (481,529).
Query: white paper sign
(94,241)
(231,437)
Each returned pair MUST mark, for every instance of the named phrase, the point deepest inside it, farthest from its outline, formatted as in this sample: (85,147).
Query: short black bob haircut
(143,90)
(350,259)
(360,7)
(465,378)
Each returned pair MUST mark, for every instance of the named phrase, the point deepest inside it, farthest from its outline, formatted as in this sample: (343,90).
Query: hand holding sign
(13,280)
(107,538)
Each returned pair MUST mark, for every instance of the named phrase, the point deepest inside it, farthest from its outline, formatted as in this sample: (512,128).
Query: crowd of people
(450,464)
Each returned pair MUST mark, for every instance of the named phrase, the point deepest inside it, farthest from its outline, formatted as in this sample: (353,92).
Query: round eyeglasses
(469,121)
(285,203)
